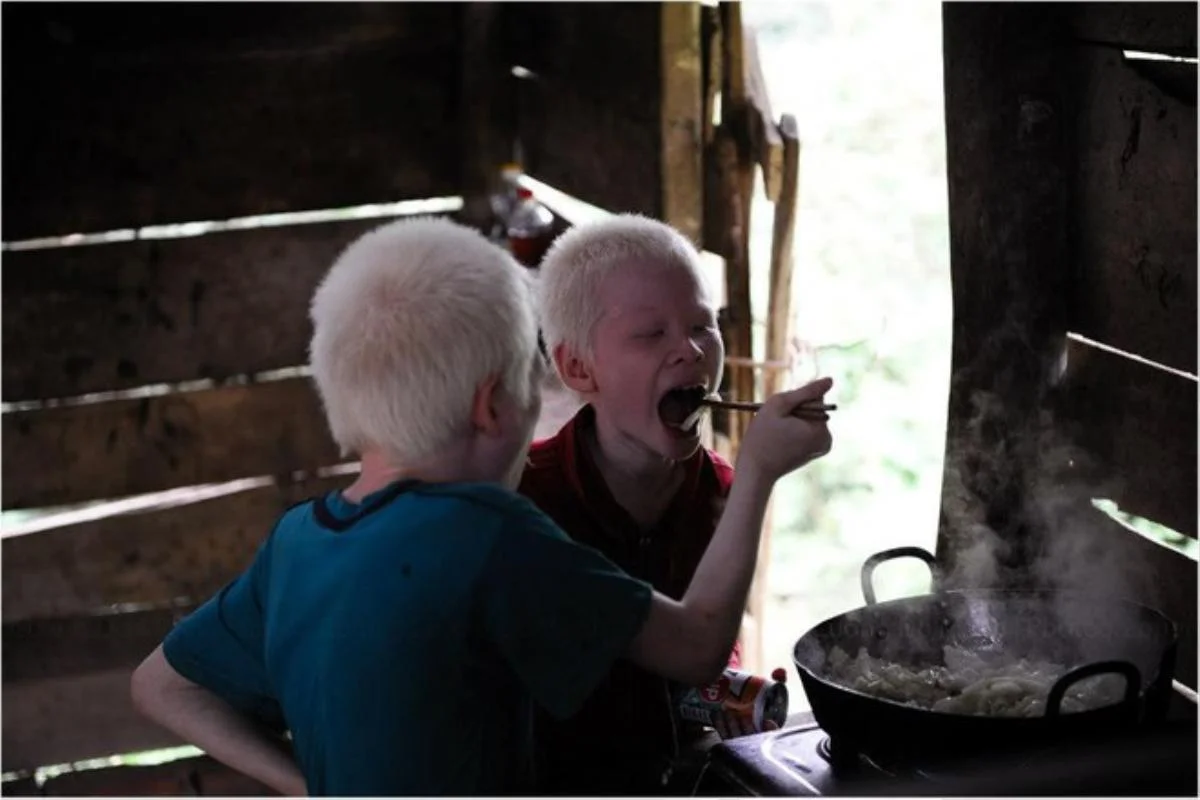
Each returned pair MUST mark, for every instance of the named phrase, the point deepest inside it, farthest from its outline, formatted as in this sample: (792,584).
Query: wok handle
(868,567)
(1133,683)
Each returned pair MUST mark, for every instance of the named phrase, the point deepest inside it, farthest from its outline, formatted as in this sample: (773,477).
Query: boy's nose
(691,350)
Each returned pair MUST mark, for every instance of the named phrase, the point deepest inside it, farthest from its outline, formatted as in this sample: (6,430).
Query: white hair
(410,319)
(578,262)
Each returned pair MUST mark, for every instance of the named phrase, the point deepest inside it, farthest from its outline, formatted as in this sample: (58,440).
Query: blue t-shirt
(404,641)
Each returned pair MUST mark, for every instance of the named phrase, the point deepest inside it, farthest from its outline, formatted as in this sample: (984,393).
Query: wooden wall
(589,116)
(122,116)
(1072,179)
(136,115)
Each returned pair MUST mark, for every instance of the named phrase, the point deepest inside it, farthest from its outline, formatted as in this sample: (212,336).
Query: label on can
(754,700)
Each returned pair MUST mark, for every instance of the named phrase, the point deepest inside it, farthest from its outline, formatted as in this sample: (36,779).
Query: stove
(803,761)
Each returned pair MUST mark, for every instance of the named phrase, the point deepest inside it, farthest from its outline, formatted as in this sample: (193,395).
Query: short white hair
(410,319)
(580,259)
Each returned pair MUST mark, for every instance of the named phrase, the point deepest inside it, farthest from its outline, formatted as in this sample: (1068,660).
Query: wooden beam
(118,448)
(20,787)
(196,776)
(728,219)
(733,45)
(711,33)
(129,315)
(67,719)
(1119,562)
(682,120)
(729,181)
(1137,426)
(157,120)
(783,244)
(593,102)
(78,646)
(153,557)
(779,327)
(1009,147)
(1134,189)
(1168,28)
(768,145)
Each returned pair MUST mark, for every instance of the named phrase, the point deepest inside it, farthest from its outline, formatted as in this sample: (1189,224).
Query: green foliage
(872,295)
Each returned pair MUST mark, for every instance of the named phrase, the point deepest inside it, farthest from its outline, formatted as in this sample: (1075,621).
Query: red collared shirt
(629,720)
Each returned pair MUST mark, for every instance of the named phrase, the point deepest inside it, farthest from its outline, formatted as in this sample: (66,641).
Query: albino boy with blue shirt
(404,629)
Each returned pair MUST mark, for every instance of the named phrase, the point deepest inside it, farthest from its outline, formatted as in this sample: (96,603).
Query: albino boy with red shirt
(627,321)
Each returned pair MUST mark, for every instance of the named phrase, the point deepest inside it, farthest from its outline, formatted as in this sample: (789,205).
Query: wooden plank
(764,133)
(200,776)
(118,448)
(20,787)
(1120,561)
(729,180)
(779,331)
(1135,213)
(211,306)
(590,120)
(172,779)
(186,777)
(1139,423)
(1007,93)
(1168,28)
(77,646)
(783,242)
(154,557)
(710,32)
(155,119)
(68,719)
(682,120)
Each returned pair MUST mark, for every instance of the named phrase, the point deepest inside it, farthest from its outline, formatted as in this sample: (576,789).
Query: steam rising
(1017,503)
(1017,513)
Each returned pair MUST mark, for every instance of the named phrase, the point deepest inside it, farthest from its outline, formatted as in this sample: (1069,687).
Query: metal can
(752,699)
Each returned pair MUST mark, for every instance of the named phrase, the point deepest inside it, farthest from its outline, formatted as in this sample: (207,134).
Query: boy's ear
(485,417)
(576,373)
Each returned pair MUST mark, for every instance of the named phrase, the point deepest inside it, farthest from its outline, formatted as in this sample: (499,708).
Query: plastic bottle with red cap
(503,199)
(530,229)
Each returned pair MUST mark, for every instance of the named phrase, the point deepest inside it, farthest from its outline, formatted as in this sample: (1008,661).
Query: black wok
(1090,635)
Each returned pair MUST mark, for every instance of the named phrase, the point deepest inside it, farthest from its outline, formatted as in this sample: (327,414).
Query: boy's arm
(198,716)
(561,613)
(207,682)
(689,640)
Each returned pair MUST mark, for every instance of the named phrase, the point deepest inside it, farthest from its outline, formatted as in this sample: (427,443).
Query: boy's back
(401,634)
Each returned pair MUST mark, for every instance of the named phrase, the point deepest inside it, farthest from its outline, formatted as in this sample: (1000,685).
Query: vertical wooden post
(783,234)
(729,180)
(1008,150)
(682,120)
(779,331)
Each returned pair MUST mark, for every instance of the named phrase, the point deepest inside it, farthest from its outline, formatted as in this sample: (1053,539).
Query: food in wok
(971,683)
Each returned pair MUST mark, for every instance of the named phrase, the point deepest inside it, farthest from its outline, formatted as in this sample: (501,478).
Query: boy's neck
(633,473)
(377,472)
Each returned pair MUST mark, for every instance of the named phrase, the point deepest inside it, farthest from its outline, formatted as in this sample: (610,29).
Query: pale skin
(687,640)
(656,330)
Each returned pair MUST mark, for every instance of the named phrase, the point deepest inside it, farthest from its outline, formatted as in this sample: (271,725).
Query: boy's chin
(676,444)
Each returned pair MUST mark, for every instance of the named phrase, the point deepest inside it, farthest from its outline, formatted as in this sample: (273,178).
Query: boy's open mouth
(678,407)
